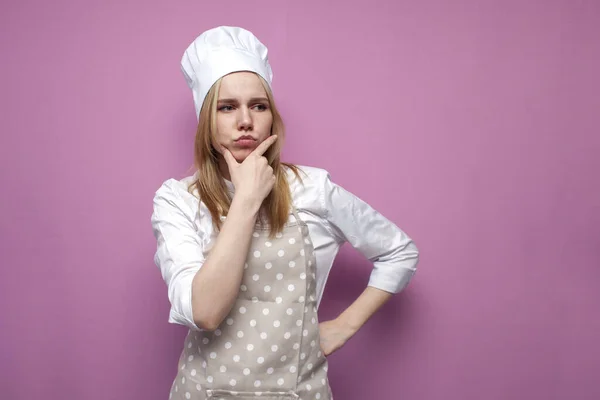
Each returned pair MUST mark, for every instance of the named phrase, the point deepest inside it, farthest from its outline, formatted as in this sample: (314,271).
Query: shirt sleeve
(179,252)
(394,255)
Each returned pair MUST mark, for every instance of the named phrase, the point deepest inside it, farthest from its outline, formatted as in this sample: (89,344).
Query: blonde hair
(210,183)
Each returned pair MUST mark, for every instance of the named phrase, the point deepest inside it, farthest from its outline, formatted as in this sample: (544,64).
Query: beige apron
(268,347)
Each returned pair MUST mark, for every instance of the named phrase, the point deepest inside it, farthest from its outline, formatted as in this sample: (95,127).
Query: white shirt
(184,233)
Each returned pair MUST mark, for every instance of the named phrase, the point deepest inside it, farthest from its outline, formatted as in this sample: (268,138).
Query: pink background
(472,124)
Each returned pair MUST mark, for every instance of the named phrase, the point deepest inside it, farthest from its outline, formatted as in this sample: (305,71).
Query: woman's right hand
(253,178)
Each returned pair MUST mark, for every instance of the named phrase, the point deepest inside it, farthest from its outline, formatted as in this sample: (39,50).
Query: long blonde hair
(210,183)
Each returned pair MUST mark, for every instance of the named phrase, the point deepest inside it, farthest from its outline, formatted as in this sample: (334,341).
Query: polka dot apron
(268,347)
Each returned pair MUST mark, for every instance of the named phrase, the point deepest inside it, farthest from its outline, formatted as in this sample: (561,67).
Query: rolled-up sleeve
(179,252)
(394,255)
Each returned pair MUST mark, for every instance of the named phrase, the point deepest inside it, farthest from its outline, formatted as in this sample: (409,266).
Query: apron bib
(268,346)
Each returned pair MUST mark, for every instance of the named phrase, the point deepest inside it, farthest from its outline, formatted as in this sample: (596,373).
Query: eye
(261,107)
(226,107)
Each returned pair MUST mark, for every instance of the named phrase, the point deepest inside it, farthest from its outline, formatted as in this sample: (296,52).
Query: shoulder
(308,188)
(176,195)
(309,175)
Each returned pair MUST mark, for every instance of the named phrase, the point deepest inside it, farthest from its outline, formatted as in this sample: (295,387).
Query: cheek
(264,124)
(223,129)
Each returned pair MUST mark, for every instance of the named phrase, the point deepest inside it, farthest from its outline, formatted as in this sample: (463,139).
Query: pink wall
(471,124)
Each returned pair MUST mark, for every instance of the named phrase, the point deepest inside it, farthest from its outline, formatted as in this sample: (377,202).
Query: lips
(246,142)
(244,138)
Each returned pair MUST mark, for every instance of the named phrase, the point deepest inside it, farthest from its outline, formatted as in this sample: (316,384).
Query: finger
(264,146)
(229,159)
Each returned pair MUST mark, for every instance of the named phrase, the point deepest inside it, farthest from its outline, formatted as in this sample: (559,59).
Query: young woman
(245,245)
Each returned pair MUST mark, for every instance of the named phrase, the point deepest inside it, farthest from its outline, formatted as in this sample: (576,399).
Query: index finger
(264,146)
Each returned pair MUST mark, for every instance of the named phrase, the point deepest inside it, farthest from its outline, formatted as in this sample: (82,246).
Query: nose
(245,119)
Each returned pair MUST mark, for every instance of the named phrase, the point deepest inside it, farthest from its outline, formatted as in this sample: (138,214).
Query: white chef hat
(221,51)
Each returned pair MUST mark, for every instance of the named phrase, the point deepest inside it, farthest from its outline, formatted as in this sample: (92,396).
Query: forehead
(241,85)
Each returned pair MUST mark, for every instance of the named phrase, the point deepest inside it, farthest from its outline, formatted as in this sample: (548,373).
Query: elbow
(207,321)
(207,325)
(414,254)
(205,315)
(415,263)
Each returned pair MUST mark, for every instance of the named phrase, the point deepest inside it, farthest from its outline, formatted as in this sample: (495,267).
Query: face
(243,116)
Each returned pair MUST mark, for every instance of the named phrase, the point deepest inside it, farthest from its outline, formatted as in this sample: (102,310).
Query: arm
(393,254)
(215,286)
(201,291)
(338,331)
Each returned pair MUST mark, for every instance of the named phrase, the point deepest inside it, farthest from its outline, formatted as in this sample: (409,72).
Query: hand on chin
(240,154)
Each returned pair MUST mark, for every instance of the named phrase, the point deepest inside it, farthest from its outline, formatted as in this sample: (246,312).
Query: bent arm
(216,285)
(393,254)
(201,290)
(363,308)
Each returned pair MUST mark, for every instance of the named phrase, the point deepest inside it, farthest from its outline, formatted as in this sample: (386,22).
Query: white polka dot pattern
(269,341)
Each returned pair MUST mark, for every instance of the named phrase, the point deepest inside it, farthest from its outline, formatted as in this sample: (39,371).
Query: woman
(245,245)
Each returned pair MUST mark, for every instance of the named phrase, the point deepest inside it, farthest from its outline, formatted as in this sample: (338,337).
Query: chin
(241,154)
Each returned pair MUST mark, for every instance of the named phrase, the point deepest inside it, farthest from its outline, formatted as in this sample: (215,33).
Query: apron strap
(295,212)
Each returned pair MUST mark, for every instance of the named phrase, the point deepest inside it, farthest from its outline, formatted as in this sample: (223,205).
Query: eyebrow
(252,100)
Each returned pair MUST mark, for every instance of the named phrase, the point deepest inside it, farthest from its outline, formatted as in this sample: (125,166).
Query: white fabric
(184,233)
(221,51)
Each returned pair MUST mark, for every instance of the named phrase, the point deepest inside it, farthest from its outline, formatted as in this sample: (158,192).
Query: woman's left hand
(334,334)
